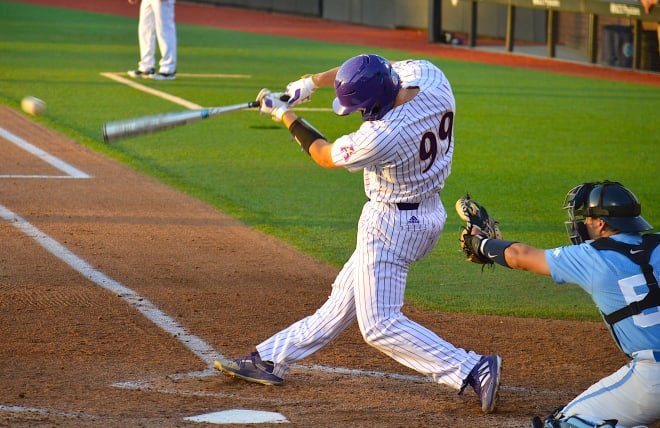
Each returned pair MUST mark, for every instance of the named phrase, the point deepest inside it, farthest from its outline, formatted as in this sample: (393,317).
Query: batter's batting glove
(273,103)
(301,90)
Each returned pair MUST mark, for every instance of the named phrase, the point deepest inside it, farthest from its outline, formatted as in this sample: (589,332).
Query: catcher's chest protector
(639,254)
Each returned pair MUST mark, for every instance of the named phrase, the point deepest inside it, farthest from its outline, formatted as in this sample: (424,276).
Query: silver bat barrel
(113,131)
(146,125)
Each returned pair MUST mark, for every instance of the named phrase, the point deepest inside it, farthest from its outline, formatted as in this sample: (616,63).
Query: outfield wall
(399,14)
(531,23)
(573,20)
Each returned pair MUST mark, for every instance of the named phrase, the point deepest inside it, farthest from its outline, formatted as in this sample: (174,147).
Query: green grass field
(523,138)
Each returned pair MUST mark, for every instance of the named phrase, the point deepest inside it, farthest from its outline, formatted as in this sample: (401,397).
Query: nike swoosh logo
(491,256)
(633,252)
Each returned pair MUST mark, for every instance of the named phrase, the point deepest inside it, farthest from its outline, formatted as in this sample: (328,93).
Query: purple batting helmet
(365,83)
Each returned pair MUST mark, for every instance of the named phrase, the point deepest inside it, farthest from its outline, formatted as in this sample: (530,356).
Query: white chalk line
(160,94)
(196,345)
(181,101)
(70,171)
(152,384)
(214,76)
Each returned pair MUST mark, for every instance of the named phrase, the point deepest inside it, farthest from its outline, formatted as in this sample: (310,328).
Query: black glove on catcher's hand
(477,217)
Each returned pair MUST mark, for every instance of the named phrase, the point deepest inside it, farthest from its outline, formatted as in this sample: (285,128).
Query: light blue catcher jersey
(613,281)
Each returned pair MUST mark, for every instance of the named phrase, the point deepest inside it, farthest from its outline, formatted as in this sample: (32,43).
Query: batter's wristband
(311,77)
(304,133)
(493,249)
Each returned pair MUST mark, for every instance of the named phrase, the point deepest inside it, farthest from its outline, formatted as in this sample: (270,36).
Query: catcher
(619,268)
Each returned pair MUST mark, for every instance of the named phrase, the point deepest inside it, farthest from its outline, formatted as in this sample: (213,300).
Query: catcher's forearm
(494,249)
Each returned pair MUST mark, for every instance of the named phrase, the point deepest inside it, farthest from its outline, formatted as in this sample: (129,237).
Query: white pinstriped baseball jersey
(406,157)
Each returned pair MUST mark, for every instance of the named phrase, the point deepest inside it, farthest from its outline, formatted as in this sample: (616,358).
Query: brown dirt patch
(67,340)
(68,343)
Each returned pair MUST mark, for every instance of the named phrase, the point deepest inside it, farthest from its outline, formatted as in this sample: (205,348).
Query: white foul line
(46,157)
(215,76)
(164,95)
(180,101)
(196,345)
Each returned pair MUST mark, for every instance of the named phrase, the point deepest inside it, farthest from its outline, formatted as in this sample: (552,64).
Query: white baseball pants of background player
(370,287)
(157,26)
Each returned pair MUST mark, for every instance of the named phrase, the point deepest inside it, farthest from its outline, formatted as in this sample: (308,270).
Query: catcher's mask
(611,201)
(365,83)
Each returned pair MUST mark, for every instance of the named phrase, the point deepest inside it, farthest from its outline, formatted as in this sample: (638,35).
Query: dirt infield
(116,292)
(68,342)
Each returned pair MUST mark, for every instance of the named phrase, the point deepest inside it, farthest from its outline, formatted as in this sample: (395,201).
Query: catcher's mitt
(475,216)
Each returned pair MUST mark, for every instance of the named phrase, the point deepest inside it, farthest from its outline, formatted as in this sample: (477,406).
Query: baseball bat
(113,131)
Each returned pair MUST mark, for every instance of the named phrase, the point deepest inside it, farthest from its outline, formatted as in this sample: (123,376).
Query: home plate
(238,416)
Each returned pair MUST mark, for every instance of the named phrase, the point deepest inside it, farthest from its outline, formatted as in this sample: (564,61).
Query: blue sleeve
(575,264)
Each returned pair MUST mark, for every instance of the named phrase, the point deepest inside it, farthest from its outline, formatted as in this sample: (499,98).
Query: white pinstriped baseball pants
(157,25)
(370,287)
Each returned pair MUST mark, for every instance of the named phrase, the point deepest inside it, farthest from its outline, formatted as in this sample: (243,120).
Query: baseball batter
(404,148)
(619,268)
(156,26)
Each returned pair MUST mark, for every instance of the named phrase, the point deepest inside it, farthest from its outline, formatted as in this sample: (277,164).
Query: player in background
(404,147)
(619,268)
(156,26)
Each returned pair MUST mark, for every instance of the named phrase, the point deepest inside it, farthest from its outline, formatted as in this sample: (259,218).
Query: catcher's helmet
(365,83)
(611,201)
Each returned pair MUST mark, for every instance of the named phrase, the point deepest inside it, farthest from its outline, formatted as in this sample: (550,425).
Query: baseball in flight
(33,105)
